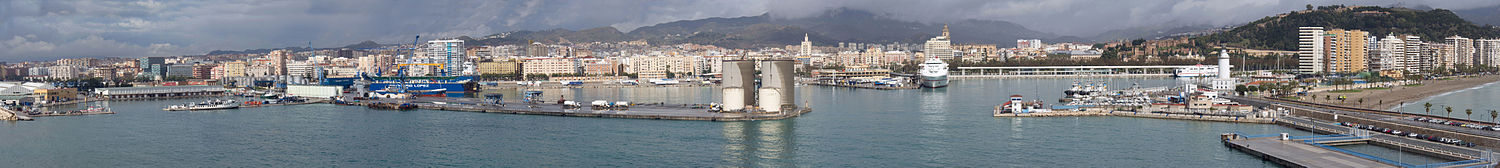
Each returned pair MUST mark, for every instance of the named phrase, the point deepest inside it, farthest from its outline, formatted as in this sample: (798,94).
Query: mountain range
(829,27)
(851,25)
(839,25)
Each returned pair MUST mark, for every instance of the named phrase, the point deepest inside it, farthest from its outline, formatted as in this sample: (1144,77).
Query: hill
(1279,32)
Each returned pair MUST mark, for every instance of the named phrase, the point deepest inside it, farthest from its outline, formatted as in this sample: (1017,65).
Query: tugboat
(207,105)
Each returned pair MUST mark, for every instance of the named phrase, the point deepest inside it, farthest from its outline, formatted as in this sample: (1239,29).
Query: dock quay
(1256,120)
(126,93)
(863,86)
(655,112)
(1066,71)
(71,114)
(284,104)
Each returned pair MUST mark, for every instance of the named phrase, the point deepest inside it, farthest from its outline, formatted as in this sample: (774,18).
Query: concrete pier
(1291,153)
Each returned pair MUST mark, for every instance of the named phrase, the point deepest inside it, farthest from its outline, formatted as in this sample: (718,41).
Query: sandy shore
(1385,99)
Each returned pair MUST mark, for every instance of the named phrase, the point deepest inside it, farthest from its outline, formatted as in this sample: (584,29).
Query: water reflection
(760,143)
(934,124)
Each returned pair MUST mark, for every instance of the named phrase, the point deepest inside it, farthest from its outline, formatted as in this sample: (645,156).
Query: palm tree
(1429,107)
(1361,101)
(1493,114)
(1450,110)
(1469,113)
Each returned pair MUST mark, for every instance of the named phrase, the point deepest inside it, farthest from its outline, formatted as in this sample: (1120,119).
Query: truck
(600,104)
(621,105)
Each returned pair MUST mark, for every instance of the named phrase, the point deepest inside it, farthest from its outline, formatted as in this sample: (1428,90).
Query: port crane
(402,67)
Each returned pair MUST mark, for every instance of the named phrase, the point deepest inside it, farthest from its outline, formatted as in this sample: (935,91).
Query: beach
(1391,97)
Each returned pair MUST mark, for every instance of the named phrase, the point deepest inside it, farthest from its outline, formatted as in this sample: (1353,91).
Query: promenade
(1387,97)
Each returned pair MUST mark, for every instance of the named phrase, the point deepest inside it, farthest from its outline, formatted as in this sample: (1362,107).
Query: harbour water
(948,127)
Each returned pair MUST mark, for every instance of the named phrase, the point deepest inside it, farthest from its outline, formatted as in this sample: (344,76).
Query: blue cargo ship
(424,86)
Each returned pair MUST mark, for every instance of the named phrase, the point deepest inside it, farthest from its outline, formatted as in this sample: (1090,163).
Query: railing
(1316,136)
(1248,136)
(1453,163)
(1333,139)
(1362,155)
(1424,148)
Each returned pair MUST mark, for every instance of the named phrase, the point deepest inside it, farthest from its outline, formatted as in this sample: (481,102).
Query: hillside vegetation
(1280,32)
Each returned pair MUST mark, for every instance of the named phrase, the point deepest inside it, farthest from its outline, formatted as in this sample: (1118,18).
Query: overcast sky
(49,29)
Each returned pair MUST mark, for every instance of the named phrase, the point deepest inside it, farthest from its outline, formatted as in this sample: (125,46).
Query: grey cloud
(89,28)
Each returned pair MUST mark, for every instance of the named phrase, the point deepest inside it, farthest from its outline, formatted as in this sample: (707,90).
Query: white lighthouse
(1223,82)
(1224,64)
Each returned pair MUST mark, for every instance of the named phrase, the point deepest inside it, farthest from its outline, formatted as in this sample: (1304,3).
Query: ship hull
(424,85)
(934,81)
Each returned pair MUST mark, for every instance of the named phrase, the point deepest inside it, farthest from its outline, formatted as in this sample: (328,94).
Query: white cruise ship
(1197,71)
(934,73)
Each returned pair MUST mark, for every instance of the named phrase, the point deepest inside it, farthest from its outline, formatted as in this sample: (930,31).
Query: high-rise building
(203,71)
(1412,61)
(451,55)
(376,65)
(1432,56)
(1311,46)
(280,58)
(1463,50)
(1346,50)
(152,66)
(536,49)
(1487,52)
(940,47)
(1389,54)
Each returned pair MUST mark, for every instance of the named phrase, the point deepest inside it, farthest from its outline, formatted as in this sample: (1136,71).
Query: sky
(41,30)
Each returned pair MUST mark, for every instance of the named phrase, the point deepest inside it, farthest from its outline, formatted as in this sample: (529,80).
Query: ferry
(208,105)
(934,73)
(1197,71)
